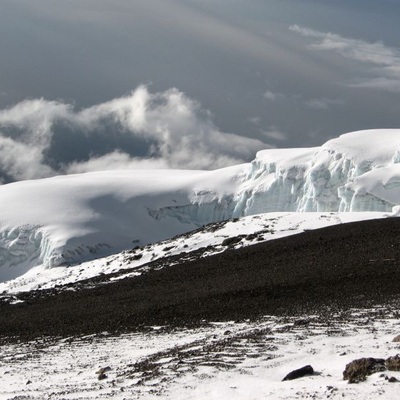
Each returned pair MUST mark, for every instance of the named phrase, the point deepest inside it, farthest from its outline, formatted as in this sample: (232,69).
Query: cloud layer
(40,138)
(383,61)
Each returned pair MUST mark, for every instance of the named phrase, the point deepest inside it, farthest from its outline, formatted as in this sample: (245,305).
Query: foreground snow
(72,219)
(218,361)
(248,230)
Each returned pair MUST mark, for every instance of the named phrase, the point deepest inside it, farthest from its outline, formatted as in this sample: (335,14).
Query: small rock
(251,236)
(358,370)
(392,379)
(299,373)
(29,382)
(396,339)
(231,241)
(103,370)
(101,373)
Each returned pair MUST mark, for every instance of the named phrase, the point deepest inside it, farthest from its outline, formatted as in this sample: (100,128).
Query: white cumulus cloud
(173,131)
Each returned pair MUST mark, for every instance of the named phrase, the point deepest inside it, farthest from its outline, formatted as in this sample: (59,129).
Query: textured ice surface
(70,219)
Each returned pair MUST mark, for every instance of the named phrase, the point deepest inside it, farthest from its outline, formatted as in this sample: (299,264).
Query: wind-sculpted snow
(70,219)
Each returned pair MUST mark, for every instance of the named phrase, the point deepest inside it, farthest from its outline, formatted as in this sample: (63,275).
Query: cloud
(381,60)
(322,103)
(40,138)
(20,161)
(274,133)
(272,96)
(254,120)
(382,83)
(115,160)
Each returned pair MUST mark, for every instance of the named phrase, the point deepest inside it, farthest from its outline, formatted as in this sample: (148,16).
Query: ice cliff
(69,219)
(358,171)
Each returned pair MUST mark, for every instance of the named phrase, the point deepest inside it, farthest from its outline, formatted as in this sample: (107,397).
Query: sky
(193,84)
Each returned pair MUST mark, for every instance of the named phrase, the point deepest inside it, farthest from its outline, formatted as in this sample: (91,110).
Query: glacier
(69,219)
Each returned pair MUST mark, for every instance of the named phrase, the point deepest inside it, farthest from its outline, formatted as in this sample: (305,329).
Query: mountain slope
(209,239)
(317,271)
(70,219)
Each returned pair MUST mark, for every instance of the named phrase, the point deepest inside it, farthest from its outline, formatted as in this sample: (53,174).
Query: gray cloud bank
(41,138)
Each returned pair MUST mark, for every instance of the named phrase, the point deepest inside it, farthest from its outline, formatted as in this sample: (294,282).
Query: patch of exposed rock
(358,370)
(393,363)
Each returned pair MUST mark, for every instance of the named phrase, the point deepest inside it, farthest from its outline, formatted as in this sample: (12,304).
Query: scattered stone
(251,236)
(168,248)
(358,370)
(101,373)
(299,373)
(103,370)
(231,241)
(393,363)
(302,322)
(29,382)
(100,377)
(396,339)
(392,379)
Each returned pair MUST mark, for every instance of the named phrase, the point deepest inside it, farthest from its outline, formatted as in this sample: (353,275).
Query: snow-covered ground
(218,361)
(76,218)
(246,230)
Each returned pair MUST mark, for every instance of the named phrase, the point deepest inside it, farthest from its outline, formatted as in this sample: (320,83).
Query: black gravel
(320,271)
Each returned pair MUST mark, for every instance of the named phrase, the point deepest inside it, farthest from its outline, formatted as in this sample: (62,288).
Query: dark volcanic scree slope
(350,265)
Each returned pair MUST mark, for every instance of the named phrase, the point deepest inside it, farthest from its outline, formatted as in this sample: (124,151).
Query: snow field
(218,361)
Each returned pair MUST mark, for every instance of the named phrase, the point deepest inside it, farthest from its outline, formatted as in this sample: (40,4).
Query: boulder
(358,370)
(299,373)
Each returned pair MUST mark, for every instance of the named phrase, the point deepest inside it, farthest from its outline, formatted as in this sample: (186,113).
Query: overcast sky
(94,84)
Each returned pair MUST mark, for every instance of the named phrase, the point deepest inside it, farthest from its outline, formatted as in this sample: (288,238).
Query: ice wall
(358,171)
